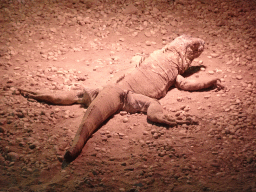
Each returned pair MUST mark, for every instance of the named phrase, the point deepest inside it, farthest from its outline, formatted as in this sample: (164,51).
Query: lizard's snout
(198,46)
(201,47)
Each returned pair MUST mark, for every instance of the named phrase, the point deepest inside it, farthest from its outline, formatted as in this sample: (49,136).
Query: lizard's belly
(147,82)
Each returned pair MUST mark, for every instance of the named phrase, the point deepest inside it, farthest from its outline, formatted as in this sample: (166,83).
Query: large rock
(130,9)
(2,160)
(12,156)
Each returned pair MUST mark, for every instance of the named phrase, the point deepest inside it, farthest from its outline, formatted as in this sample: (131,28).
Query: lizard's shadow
(192,70)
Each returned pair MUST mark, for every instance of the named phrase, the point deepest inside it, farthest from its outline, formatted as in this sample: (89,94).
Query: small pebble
(12,156)
(239,77)
(125,120)
(148,43)
(155,136)
(123,113)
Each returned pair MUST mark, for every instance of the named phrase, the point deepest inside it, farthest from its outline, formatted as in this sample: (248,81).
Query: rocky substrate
(65,45)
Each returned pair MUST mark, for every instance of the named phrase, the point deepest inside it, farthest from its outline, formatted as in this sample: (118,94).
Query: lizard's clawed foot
(179,121)
(162,119)
(219,86)
(28,94)
(169,120)
(172,121)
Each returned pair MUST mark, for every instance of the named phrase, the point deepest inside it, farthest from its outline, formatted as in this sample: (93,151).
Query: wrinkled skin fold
(136,92)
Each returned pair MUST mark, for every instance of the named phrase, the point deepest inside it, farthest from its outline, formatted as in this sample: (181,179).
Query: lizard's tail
(107,103)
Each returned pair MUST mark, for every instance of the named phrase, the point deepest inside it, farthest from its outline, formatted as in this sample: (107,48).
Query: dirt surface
(62,45)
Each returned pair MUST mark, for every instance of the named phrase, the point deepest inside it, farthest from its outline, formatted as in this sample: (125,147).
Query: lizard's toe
(169,120)
(27,93)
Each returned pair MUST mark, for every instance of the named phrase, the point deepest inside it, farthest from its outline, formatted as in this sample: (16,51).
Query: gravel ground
(64,45)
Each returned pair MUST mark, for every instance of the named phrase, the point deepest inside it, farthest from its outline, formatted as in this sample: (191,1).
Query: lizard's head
(194,47)
(189,48)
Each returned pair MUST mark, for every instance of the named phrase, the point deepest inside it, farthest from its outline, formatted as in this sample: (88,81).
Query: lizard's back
(155,76)
(158,72)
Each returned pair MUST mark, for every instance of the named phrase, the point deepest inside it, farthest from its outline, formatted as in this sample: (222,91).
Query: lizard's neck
(184,64)
(181,61)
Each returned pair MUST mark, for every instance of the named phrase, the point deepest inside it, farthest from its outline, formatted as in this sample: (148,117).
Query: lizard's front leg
(196,84)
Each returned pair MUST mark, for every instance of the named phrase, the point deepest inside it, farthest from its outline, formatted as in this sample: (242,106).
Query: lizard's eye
(197,47)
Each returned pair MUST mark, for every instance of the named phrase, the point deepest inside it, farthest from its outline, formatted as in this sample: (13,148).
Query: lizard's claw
(36,95)
(162,119)
(219,86)
(187,120)
(171,121)
(27,93)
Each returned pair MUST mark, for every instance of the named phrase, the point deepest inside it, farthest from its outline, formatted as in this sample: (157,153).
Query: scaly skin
(136,92)
(108,102)
(158,72)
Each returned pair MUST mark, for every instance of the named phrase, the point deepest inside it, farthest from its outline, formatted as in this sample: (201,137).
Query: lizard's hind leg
(88,95)
(84,96)
(140,103)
